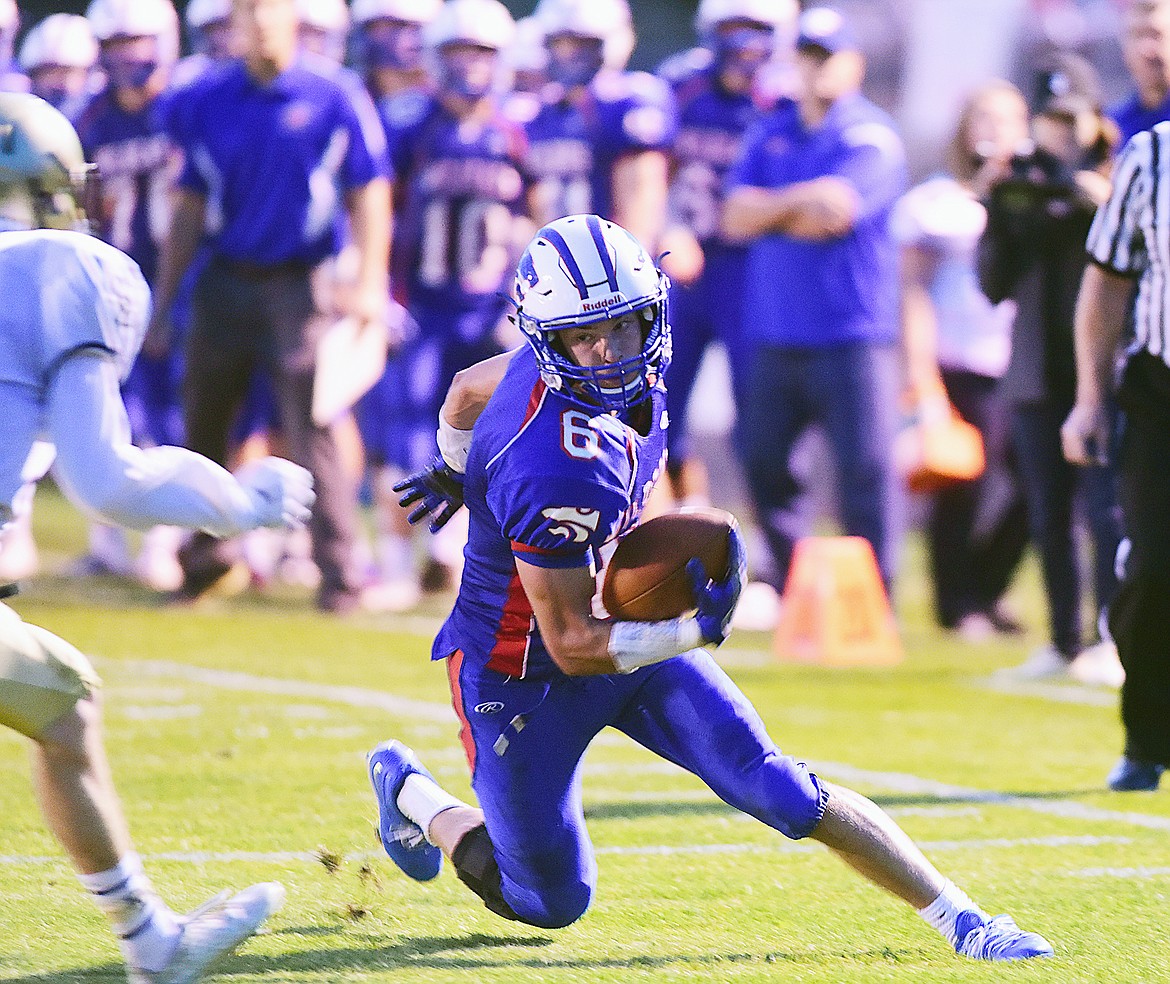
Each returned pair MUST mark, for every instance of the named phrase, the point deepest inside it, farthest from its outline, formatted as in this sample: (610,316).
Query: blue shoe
(998,938)
(1133,775)
(389,764)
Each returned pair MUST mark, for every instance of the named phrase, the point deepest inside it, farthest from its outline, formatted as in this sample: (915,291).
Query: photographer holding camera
(1040,206)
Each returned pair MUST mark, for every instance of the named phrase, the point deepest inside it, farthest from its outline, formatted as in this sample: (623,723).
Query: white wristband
(636,644)
(454,444)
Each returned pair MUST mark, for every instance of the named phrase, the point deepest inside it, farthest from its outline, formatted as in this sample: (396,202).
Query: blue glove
(438,490)
(716,600)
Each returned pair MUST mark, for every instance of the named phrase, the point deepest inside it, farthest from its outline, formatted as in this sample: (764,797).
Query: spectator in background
(59,55)
(279,156)
(1033,252)
(812,195)
(958,344)
(1146,47)
(1127,243)
(457,165)
(12,79)
(387,44)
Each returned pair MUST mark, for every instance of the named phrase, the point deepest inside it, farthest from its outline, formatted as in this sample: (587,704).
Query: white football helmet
(407,11)
(324,26)
(580,270)
(111,19)
(200,13)
(777,14)
(486,23)
(9,26)
(607,21)
(60,39)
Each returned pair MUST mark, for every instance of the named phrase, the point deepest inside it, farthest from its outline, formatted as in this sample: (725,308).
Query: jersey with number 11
(549,482)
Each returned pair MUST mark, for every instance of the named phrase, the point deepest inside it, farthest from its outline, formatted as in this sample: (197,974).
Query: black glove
(438,490)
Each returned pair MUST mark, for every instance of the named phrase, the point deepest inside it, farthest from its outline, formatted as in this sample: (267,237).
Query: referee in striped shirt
(1129,243)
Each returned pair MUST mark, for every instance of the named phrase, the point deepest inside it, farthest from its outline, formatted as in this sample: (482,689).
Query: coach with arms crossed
(1125,244)
(812,194)
(274,143)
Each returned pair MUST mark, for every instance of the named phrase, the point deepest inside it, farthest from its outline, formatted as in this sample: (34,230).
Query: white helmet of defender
(580,270)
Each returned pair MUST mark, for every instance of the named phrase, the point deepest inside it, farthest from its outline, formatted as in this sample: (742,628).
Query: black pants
(247,322)
(977,531)
(1138,616)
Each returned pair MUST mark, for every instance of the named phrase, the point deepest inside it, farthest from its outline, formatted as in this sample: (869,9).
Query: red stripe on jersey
(534,399)
(528,548)
(510,653)
(454,665)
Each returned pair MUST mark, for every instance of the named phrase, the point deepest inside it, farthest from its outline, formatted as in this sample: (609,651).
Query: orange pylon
(834,609)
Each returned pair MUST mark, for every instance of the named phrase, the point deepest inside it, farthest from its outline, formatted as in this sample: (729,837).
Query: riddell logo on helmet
(600,305)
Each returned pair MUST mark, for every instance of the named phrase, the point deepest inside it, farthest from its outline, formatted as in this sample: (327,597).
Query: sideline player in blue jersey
(600,140)
(717,101)
(461,223)
(388,46)
(11,78)
(560,464)
(59,54)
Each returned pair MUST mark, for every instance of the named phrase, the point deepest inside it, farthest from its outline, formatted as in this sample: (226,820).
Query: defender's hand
(717,599)
(438,489)
(282,493)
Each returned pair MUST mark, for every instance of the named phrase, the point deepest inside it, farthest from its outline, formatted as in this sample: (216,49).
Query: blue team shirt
(816,294)
(138,164)
(711,128)
(1132,117)
(572,149)
(458,188)
(550,483)
(274,161)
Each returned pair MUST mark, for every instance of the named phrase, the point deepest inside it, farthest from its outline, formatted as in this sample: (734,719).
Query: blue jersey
(550,483)
(572,149)
(138,164)
(458,189)
(275,160)
(711,128)
(1132,117)
(804,294)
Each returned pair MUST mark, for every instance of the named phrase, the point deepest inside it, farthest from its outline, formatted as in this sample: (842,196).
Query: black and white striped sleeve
(1117,238)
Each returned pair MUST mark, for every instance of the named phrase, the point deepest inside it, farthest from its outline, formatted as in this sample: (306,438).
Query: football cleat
(214,929)
(1132,775)
(997,938)
(402,839)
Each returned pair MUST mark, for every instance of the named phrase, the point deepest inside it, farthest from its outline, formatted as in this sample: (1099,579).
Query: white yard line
(1124,873)
(1061,693)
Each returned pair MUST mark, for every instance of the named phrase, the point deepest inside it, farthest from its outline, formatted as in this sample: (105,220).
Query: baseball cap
(824,28)
(1066,84)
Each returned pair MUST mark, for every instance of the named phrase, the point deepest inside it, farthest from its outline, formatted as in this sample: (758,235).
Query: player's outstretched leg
(213,930)
(390,763)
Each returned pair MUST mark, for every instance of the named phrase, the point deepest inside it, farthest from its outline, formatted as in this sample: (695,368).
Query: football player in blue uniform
(717,101)
(600,140)
(562,459)
(324,26)
(11,78)
(209,29)
(59,55)
(461,222)
(121,129)
(388,44)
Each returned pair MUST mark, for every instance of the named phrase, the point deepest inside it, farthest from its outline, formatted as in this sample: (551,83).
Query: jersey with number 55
(548,482)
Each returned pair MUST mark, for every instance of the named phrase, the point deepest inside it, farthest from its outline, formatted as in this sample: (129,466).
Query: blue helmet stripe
(594,224)
(566,254)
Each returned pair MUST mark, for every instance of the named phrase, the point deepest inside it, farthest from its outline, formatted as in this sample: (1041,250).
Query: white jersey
(64,298)
(63,291)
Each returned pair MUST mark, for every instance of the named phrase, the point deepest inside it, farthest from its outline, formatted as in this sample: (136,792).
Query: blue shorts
(153,400)
(525,738)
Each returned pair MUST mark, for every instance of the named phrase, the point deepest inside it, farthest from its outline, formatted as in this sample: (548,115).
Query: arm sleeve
(101,471)
(1115,239)
(748,170)
(556,522)
(365,158)
(874,162)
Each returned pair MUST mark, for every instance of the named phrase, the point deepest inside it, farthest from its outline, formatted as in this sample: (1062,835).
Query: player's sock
(422,799)
(147,929)
(942,912)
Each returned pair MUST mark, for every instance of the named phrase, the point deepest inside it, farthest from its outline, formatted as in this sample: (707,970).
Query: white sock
(147,930)
(422,799)
(943,911)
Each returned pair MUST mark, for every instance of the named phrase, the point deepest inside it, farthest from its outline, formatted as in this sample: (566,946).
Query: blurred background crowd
(874,214)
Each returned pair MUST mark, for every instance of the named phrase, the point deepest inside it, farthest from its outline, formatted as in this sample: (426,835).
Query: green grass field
(237,734)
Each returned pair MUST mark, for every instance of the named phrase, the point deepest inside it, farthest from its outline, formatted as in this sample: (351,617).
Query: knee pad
(475,864)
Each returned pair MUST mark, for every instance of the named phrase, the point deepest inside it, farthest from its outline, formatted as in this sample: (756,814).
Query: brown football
(646,578)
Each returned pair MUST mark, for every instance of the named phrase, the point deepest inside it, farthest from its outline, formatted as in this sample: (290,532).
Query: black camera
(1037,181)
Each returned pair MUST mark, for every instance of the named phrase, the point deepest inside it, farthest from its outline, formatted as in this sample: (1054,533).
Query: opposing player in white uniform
(74,314)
